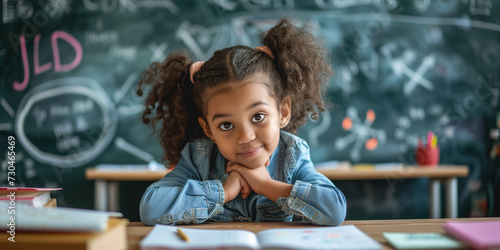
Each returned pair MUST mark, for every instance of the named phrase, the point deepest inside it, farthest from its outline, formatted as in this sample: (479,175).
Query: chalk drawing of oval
(66,122)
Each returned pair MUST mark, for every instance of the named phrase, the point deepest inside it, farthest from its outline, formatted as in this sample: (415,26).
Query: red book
(32,196)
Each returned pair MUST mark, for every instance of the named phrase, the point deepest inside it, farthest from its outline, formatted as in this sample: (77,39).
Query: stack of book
(31,196)
(113,237)
(31,225)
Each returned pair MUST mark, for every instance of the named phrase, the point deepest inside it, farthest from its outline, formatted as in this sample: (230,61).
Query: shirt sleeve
(182,196)
(314,198)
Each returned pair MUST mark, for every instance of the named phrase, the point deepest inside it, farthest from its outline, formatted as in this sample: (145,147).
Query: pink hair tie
(194,68)
(266,50)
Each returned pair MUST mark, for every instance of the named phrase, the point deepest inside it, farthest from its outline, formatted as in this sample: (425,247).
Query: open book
(340,237)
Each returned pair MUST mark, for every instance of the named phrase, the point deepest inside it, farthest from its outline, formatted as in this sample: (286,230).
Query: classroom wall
(402,68)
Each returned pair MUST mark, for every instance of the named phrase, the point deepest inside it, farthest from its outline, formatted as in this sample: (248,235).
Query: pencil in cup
(428,156)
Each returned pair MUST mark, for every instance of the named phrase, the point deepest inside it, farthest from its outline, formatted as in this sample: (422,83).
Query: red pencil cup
(427,157)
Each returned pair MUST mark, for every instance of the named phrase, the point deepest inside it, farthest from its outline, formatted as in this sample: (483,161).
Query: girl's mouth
(250,152)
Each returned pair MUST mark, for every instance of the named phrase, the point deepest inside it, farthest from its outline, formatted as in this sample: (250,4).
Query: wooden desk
(443,174)
(373,228)
(106,191)
(107,188)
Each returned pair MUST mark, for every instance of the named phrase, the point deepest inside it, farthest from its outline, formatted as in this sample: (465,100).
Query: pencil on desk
(182,235)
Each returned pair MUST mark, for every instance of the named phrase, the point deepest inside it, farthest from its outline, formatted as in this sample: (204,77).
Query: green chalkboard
(68,70)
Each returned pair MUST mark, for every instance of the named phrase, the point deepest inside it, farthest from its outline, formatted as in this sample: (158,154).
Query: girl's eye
(226,126)
(258,117)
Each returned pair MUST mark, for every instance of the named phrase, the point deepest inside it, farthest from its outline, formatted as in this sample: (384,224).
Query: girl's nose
(245,135)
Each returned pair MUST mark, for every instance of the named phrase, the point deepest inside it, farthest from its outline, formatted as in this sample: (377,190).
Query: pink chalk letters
(58,67)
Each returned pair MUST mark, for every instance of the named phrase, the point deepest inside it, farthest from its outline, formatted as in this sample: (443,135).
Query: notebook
(28,218)
(477,234)
(422,241)
(340,237)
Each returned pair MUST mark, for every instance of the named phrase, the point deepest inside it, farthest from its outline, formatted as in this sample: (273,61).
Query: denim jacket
(193,191)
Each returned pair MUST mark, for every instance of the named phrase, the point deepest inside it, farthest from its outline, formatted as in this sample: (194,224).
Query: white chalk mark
(99,24)
(139,153)
(238,26)
(360,133)
(353,113)
(431,21)
(349,18)
(416,77)
(320,129)
(356,148)
(443,21)
(342,142)
(399,134)
(125,88)
(169,4)
(370,68)
(130,110)
(9,11)
(198,38)
(240,29)
(129,5)
(483,9)
(7,107)
(158,51)
(345,82)
(52,90)
(182,33)
(5,126)
(422,6)
(386,51)
(224,4)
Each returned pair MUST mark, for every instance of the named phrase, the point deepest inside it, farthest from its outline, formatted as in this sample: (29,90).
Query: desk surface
(406,172)
(373,228)
(94,174)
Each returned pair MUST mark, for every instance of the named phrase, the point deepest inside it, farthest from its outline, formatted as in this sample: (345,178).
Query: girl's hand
(255,177)
(234,185)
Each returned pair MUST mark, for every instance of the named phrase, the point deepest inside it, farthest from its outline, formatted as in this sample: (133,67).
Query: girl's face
(245,121)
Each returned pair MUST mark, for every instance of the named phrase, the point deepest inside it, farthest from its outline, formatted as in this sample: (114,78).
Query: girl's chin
(252,162)
(256,164)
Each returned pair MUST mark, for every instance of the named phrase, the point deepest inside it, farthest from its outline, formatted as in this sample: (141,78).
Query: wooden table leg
(100,195)
(434,198)
(114,196)
(451,198)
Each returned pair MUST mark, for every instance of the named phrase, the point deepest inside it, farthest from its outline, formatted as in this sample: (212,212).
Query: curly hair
(300,69)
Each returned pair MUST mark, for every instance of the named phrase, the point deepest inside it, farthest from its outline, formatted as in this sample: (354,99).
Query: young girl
(223,126)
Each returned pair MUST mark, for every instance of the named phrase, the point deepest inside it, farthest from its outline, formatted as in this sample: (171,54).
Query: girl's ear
(285,111)
(206,129)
